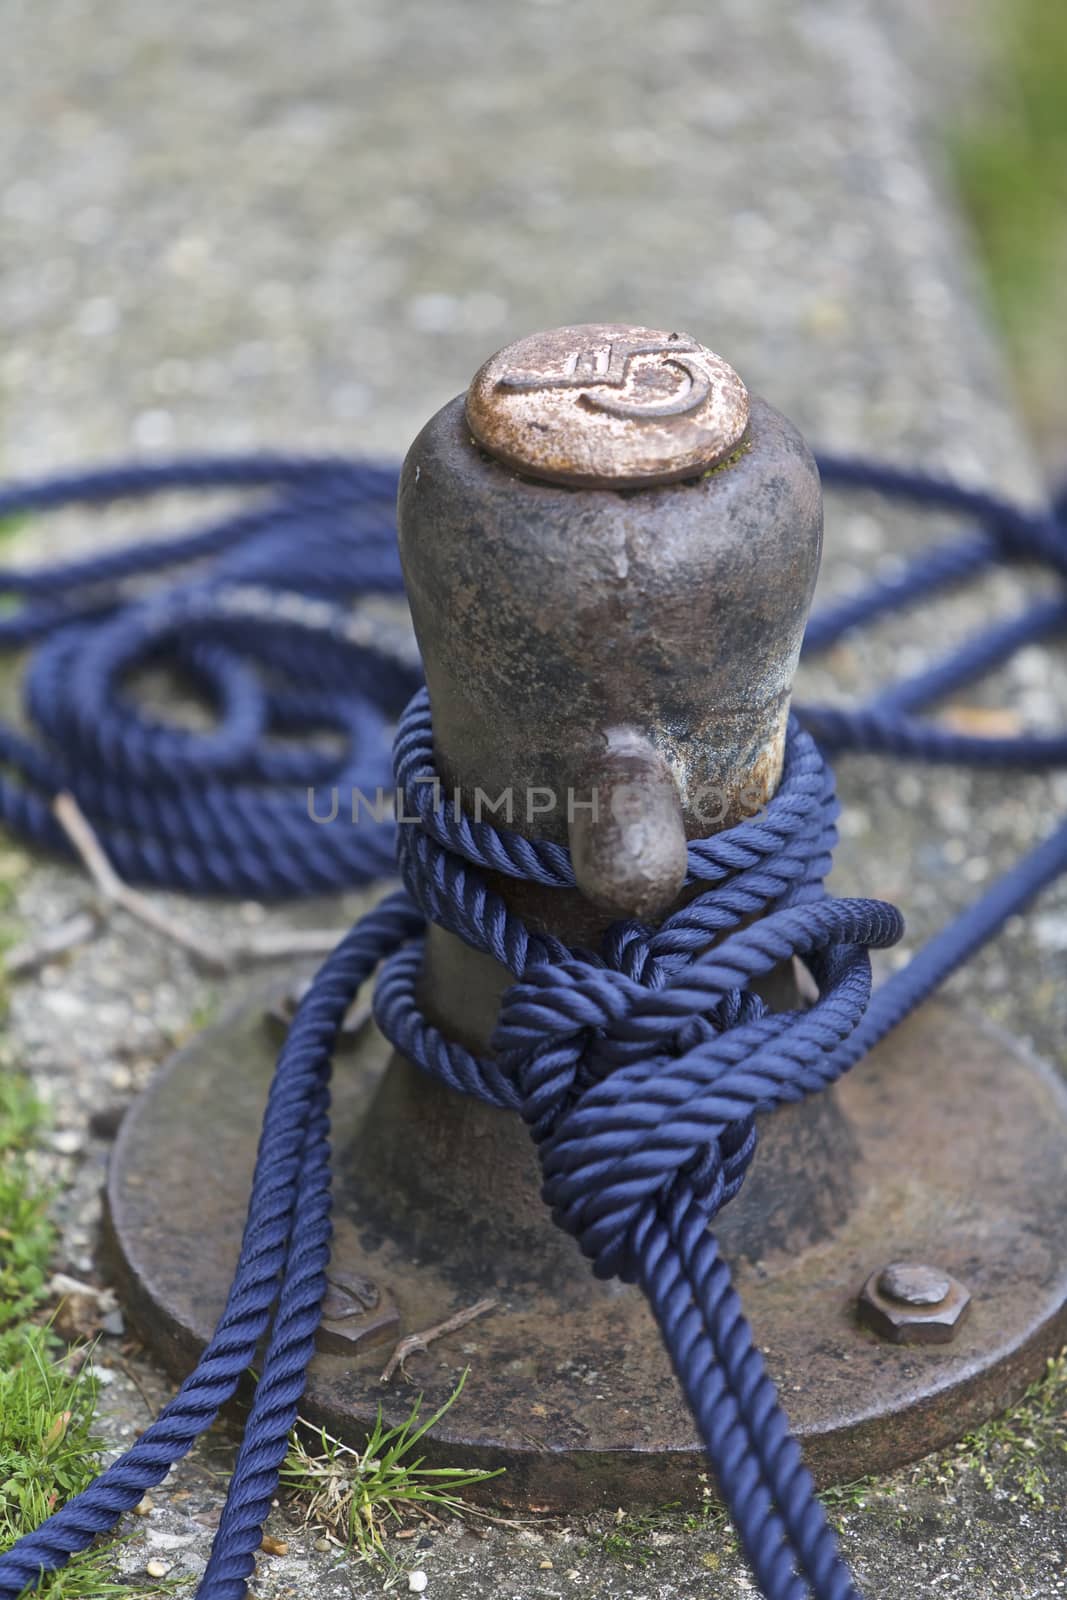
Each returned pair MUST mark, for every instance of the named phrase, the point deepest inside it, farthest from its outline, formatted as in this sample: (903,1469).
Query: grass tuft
(637,1538)
(26,1233)
(48,1449)
(355,1495)
(21,1115)
(1010,1453)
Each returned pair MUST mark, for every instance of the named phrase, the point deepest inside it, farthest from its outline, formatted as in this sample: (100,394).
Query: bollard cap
(606,405)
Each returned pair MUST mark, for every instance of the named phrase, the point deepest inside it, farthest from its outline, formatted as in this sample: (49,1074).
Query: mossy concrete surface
(307,227)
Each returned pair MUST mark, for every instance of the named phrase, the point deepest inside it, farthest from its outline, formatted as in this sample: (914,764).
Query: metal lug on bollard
(610,550)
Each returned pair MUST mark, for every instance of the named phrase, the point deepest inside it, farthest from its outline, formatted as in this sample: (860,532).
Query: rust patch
(603,404)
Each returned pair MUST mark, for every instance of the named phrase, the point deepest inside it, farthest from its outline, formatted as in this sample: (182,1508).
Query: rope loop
(667,1004)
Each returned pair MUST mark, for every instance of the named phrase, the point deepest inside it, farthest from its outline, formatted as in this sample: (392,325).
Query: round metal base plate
(963,1146)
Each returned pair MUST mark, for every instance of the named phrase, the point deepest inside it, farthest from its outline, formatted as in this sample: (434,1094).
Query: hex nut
(356,1314)
(898,1303)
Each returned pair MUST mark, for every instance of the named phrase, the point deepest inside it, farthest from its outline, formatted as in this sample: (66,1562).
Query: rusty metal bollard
(625,643)
(610,550)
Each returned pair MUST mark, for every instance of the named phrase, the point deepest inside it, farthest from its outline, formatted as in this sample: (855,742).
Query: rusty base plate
(963,1146)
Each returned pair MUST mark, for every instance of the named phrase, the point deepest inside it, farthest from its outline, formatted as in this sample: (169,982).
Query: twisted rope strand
(638,1069)
(296,1096)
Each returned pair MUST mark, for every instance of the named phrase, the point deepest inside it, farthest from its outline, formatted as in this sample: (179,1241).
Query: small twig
(268,945)
(421,1341)
(150,1406)
(29,957)
(78,830)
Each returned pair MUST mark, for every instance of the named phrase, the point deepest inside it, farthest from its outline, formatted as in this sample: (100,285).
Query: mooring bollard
(610,550)
(610,668)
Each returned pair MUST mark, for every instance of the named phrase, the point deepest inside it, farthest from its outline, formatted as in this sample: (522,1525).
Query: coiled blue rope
(638,1069)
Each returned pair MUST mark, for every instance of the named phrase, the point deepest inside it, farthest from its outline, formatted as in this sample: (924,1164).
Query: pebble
(65,1005)
(67,1141)
(77,1317)
(417,1581)
(157,1569)
(1050,931)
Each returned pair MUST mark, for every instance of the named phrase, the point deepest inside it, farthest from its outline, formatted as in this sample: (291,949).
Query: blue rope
(638,1069)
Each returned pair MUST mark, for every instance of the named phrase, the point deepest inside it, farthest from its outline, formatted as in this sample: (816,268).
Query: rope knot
(639,1070)
(620,1154)
(559,1037)
(637,1091)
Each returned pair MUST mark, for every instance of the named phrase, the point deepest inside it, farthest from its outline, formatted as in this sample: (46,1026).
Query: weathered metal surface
(547,616)
(607,405)
(583,644)
(910,1303)
(960,1138)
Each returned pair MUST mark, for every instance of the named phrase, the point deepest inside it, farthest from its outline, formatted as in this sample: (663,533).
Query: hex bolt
(355,1314)
(349,1294)
(911,1302)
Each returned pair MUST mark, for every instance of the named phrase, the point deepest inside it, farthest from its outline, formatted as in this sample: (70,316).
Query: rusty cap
(607,405)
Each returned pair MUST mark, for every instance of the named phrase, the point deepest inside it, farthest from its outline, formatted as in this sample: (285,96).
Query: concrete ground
(306,227)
